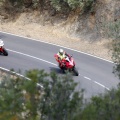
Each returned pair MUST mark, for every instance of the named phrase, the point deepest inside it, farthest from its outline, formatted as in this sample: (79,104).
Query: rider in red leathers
(66,62)
(61,55)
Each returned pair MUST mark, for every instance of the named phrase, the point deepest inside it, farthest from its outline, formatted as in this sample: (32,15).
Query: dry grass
(26,26)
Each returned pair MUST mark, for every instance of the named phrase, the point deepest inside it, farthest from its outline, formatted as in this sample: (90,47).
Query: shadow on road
(57,70)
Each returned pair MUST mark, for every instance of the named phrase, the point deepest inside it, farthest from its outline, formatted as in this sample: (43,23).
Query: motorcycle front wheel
(75,72)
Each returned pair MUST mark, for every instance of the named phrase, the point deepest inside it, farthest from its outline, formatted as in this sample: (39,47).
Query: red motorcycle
(67,64)
(2,49)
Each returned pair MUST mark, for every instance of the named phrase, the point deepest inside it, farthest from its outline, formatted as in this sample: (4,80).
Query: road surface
(95,74)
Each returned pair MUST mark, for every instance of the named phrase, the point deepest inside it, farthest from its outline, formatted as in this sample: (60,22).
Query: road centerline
(32,57)
(53,64)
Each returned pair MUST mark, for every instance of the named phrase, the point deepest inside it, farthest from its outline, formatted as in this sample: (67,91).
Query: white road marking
(32,57)
(18,75)
(52,64)
(101,85)
(58,46)
(46,62)
(95,82)
(87,78)
(4,69)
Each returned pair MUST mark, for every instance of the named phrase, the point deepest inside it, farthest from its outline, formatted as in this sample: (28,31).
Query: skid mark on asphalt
(87,78)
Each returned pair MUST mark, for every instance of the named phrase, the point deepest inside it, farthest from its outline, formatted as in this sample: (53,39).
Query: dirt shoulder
(56,35)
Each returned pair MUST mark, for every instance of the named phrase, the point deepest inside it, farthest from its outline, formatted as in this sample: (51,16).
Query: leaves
(116,56)
(21,98)
(102,107)
(59,100)
(72,4)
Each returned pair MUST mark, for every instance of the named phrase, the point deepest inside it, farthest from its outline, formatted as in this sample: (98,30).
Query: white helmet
(1,42)
(61,51)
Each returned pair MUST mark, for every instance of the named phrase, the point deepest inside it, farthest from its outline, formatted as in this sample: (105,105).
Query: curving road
(24,54)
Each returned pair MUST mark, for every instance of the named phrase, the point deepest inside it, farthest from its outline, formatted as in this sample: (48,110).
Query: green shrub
(83,5)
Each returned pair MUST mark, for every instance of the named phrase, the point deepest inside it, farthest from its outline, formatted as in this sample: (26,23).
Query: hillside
(85,32)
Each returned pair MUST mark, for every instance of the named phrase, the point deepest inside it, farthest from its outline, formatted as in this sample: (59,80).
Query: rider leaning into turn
(62,55)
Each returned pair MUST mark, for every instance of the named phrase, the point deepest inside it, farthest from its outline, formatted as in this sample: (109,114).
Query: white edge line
(41,85)
(96,83)
(46,62)
(58,46)
(101,85)
(18,75)
(87,78)
(63,47)
(32,57)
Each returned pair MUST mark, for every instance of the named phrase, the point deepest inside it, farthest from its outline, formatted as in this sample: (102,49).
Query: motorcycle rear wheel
(5,52)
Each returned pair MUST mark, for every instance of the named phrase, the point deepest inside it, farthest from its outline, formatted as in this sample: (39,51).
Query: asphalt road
(95,74)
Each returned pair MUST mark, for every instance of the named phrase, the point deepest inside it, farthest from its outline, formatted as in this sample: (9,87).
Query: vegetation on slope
(84,19)
(20,99)
(58,5)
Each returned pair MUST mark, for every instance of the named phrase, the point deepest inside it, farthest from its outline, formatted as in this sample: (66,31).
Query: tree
(107,106)
(42,97)
(102,107)
(59,101)
(114,33)
(18,98)
(83,5)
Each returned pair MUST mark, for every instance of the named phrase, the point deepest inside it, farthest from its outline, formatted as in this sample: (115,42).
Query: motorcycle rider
(62,55)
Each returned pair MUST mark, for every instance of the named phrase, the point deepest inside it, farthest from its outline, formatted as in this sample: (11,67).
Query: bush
(23,99)
(114,33)
(83,5)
